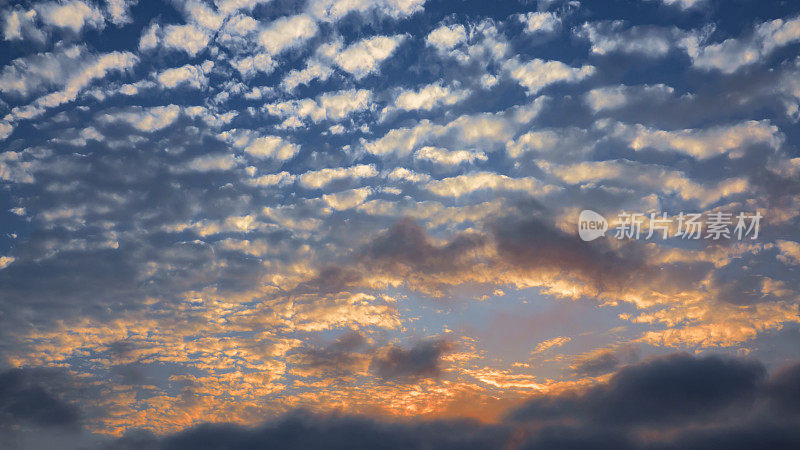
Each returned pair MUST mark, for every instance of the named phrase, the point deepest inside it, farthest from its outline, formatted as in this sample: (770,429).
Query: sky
(357,224)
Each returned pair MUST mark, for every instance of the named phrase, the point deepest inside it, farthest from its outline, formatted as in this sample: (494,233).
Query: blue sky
(225,212)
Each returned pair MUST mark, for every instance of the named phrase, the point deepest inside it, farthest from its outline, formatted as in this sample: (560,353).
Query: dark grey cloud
(673,389)
(420,361)
(30,397)
(671,402)
(338,358)
(305,431)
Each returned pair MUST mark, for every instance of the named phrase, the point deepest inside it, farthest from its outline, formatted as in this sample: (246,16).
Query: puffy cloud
(347,199)
(149,38)
(447,36)
(250,65)
(607,98)
(683,4)
(72,14)
(210,163)
(328,106)
(188,38)
(320,178)
(287,32)
(447,157)
(653,178)
(72,70)
(703,143)
(537,74)
(119,11)
(313,71)
(146,119)
(540,22)
(732,54)
(429,97)
(272,147)
(613,37)
(194,76)
(365,56)
(337,9)
(475,181)
(21,24)
(27,75)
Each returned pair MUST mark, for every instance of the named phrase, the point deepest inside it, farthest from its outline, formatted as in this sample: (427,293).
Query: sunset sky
(239,224)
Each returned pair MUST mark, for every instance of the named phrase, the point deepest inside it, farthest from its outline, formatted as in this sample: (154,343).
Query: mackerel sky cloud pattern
(353,224)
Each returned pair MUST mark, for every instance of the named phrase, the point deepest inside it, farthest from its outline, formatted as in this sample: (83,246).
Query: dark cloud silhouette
(677,401)
(675,388)
(302,430)
(420,361)
(337,359)
(27,399)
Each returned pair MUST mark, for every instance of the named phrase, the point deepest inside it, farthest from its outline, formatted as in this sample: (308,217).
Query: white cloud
(647,179)
(240,25)
(192,75)
(146,119)
(683,4)
(540,22)
(732,54)
(313,71)
(347,199)
(476,181)
(211,163)
(448,157)
(364,57)
(612,37)
(702,143)
(538,74)
(487,129)
(119,11)
(5,130)
(565,143)
(337,9)
(72,14)
(260,146)
(272,147)
(320,178)
(446,37)
(272,179)
(188,38)
(328,106)
(73,70)
(228,7)
(203,15)
(250,65)
(31,74)
(21,24)
(614,97)
(428,97)
(150,37)
(287,32)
